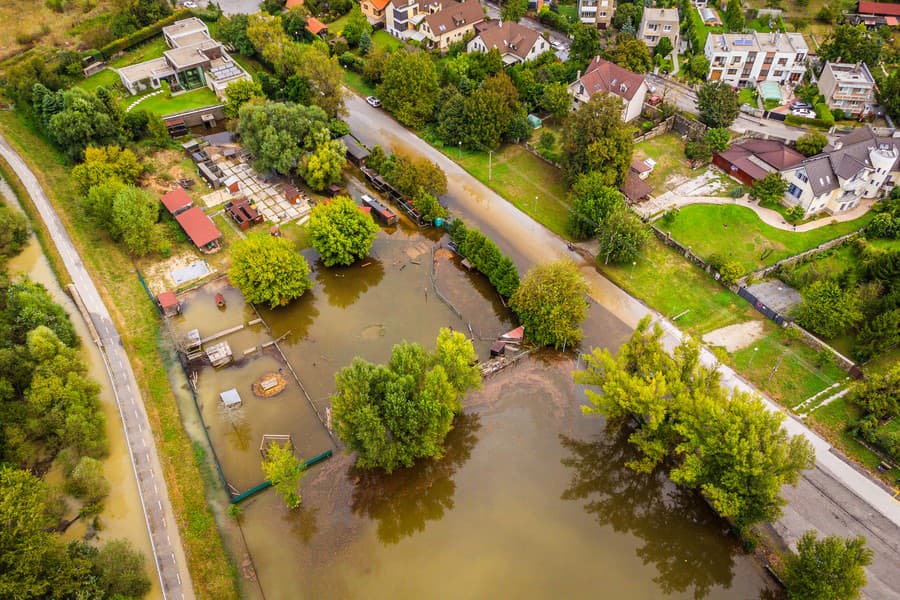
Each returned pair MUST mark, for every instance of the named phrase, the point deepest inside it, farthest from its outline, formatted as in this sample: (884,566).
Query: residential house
(316,27)
(604,76)
(516,43)
(745,59)
(374,10)
(403,17)
(596,12)
(194,60)
(451,24)
(850,88)
(657,23)
(753,159)
(859,165)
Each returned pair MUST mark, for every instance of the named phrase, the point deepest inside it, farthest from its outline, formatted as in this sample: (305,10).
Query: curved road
(168,553)
(833,497)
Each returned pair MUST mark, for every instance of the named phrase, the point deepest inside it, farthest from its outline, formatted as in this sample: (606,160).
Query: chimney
(577,77)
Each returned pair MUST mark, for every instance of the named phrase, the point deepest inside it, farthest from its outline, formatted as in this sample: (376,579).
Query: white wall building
(604,76)
(744,59)
(848,87)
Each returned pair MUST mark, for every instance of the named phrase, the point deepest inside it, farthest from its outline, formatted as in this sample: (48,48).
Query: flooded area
(532,499)
(122,516)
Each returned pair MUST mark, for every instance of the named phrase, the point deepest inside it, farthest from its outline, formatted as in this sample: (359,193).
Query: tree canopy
(409,88)
(395,414)
(268,270)
(592,202)
(621,237)
(105,163)
(278,134)
(322,167)
(770,188)
(851,44)
(550,303)
(596,139)
(812,142)
(828,309)
(238,93)
(133,220)
(340,232)
(284,470)
(718,104)
(734,15)
(831,567)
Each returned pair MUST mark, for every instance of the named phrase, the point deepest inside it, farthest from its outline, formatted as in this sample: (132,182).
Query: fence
(658,130)
(685,251)
(692,129)
(784,262)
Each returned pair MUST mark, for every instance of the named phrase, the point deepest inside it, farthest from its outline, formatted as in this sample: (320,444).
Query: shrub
(350,61)
(731,272)
(824,114)
(142,34)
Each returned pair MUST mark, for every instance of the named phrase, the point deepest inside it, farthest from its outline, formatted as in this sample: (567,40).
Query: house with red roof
(316,27)
(753,159)
(177,201)
(200,229)
(603,76)
(374,10)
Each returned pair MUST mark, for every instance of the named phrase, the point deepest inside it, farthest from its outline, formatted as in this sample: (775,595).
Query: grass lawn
(382,39)
(152,48)
(355,82)
(736,233)
(531,185)
(106,78)
(668,152)
(163,105)
(673,286)
(701,28)
(747,96)
(138,321)
(21,19)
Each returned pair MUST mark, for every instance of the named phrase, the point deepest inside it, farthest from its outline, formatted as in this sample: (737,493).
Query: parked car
(190,4)
(803,112)
(654,100)
(801,106)
(373,101)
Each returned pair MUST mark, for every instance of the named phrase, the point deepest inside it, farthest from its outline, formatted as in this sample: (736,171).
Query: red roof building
(750,161)
(879,8)
(293,4)
(199,228)
(315,26)
(177,201)
(168,303)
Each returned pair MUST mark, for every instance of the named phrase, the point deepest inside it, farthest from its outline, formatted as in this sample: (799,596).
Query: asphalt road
(833,497)
(168,553)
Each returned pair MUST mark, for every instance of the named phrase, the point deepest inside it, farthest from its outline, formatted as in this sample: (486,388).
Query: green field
(736,233)
(162,105)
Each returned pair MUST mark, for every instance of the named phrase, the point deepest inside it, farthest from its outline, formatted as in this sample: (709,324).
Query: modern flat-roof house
(516,43)
(753,159)
(657,23)
(193,60)
(859,165)
(604,76)
(596,12)
(850,88)
(744,59)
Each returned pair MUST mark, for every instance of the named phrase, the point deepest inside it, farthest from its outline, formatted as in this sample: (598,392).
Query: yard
(24,20)
(161,104)
(737,233)
(152,48)
(668,152)
(105,78)
(355,82)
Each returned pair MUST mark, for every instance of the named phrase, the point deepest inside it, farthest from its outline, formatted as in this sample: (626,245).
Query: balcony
(866,96)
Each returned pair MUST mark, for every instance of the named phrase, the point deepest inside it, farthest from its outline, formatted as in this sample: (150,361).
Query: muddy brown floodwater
(531,500)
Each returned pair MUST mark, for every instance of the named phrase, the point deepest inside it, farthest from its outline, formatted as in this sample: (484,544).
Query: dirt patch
(157,274)
(166,169)
(735,337)
(270,384)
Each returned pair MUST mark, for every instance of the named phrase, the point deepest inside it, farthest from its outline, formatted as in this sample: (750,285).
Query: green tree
(621,237)
(556,100)
(456,355)
(411,175)
(355,26)
(734,16)
(698,65)
(87,481)
(878,394)
(284,470)
(105,163)
(851,44)
(717,139)
(889,93)
(596,139)
(13,232)
(26,306)
(277,134)
(811,143)
(584,47)
(340,232)
(489,112)
(428,206)
(663,47)
(718,104)
(770,188)
(239,93)
(133,220)
(550,304)
(325,77)
(627,17)
(827,568)
(120,570)
(233,31)
(630,53)
(409,88)
(828,309)
(268,270)
(513,10)
(323,166)
(592,202)
(83,120)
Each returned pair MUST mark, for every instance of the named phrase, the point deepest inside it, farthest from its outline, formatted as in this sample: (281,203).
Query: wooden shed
(168,303)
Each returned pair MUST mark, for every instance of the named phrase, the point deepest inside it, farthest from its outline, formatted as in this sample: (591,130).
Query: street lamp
(460,149)
(490,164)
(633,265)
(750,362)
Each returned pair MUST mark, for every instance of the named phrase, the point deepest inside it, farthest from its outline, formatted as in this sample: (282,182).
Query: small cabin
(243,213)
(177,201)
(232,184)
(356,154)
(168,304)
(231,398)
(219,354)
(382,212)
(293,195)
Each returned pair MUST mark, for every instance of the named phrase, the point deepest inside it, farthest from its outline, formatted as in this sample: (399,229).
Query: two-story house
(374,10)
(850,88)
(657,23)
(745,59)
(859,165)
(516,43)
(596,12)
(403,17)
(451,24)
(604,76)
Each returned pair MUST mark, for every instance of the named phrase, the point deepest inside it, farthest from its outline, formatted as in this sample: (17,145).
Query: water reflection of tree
(344,286)
(303,522)
(682,536)
(295,318)
(404,501)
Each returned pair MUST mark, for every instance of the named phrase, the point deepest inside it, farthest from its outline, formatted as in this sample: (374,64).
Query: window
(602,14)
(667,28)
(732,71)
(802,176)
(794,191)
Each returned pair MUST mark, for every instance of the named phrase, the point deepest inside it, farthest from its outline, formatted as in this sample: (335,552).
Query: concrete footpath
(832,498)
(169,556)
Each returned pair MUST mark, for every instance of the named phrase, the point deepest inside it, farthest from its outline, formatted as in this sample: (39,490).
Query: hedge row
(142,34)
(485,256)
(801,121)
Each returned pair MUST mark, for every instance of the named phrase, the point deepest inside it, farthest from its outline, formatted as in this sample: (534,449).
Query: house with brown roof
(752,160)
(451,24)
(402,18)
(516,43)
(602,76)
(374,10)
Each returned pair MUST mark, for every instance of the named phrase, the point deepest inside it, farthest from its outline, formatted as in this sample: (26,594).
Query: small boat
(220,300)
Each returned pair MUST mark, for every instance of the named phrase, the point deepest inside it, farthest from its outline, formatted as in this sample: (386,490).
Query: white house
(516,43)
(745,59)
(859,165)
(848,87)
(604,76)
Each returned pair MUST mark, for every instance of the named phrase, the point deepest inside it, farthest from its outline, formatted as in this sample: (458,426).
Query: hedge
(486,257)
(142,34)
(801,121)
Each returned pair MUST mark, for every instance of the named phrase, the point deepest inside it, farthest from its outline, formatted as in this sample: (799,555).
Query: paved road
(686,99)
(169,556)
(833,497)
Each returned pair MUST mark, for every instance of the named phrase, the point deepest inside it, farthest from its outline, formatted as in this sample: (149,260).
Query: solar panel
(743,42)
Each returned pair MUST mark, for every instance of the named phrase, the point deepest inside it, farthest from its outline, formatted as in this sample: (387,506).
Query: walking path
(833,497)
(164,537)
(768,216)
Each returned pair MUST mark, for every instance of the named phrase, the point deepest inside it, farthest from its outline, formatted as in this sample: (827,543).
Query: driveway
(833,497)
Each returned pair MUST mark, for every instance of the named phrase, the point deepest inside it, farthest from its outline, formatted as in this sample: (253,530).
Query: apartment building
(596,12)
(745,59)
(658,23)
(850,88)
(403,17)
